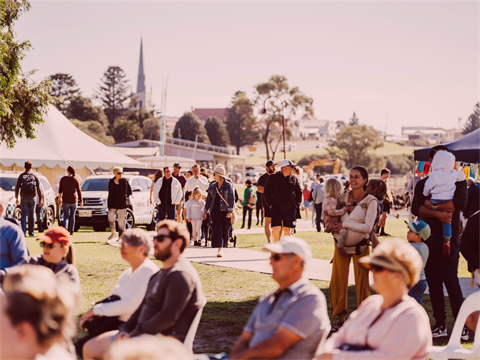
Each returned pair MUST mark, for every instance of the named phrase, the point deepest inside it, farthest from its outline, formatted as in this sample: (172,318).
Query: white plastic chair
(192,331)
(454,348)
(321,344)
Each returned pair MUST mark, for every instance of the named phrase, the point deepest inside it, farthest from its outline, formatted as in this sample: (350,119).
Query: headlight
(105,202)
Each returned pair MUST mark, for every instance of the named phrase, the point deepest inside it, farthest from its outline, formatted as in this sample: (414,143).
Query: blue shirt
(13,248)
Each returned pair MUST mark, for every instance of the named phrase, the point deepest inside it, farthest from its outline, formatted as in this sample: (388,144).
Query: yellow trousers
(339,281)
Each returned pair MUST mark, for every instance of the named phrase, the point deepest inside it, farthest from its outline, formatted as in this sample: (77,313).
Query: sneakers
(446,247)
(220,253)
(112,236)
(439,331)
(465,335)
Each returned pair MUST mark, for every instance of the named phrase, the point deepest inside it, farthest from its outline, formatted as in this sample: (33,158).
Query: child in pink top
(330,213)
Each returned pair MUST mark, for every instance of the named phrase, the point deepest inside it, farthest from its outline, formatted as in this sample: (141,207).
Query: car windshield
(251,174)
(95,185)
(8,184)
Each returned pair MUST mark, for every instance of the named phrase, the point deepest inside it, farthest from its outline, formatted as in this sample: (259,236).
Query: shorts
(306,203)
(285,218)
(386,207)
(178,207)
(267,211)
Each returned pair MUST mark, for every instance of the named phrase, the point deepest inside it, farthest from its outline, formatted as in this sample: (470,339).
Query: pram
(209,233)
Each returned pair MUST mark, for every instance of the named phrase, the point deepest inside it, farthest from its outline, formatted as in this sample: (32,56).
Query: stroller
(208,230)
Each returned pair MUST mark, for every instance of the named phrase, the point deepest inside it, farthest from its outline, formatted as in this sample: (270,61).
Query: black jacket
(118,194)
(282,192)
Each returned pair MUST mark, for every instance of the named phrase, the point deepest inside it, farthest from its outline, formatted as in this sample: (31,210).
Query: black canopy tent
(465,148)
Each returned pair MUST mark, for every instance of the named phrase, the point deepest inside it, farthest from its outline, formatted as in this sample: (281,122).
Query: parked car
(94,211)
(8,180)
(252,176)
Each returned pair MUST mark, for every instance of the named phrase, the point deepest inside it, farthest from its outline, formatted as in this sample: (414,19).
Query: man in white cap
(283,194)
(289,322)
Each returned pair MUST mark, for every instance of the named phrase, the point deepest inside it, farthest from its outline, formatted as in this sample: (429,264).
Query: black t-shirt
(166,192)
(118,194)
(459,201)
(262,180)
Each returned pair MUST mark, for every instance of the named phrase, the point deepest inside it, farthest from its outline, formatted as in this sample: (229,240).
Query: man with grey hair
(289,322)
(13,248)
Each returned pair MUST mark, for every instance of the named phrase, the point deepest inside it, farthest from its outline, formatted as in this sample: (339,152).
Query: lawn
(232,294)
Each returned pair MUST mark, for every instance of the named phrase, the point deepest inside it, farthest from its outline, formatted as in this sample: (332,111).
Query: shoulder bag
(233,218)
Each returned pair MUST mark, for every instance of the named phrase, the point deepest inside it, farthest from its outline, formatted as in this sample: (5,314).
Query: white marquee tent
(57,145)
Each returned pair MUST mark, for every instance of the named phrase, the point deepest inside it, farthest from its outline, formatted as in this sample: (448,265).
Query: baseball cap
(291,244)
(57,234)
(420,227)
(177,165)
(270,163)
(286,162)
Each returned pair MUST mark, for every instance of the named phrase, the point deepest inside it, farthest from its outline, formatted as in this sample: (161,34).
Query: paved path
(250,260)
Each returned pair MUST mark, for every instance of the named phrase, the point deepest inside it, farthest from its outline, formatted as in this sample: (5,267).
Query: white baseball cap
(286,162)
(291,244)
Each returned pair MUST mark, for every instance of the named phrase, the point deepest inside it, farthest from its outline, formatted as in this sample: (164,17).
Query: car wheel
(77,225)
(99,227)
(153,225)
(17,214)
(129,220)
(49,218)
(60,217)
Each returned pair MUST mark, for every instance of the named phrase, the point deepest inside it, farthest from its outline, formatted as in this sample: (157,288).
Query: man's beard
(163,255)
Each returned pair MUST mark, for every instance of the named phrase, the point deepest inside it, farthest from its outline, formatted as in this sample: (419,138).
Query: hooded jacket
(440,184)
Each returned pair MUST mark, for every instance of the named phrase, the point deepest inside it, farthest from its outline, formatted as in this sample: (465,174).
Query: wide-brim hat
(220,170)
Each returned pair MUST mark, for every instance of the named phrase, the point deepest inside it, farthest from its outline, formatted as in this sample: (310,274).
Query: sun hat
(270,163)
(57,234)
(291,244)
(420,227)
(286,162)
(220,170)
(397,256)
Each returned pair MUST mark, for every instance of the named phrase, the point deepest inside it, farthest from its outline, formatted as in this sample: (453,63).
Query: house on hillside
(309,127)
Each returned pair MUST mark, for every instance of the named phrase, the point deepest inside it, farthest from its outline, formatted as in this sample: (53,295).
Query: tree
(280,93)
(95,130)
(64,89)
(353,143)
(81,108)
(354,119)
(188,127)
(113,93)
(241,123)
(126,130)
(473,121)
(23,102)
(151,129)
(217,132)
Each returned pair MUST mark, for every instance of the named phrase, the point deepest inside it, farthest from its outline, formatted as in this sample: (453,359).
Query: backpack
(28,185)
(252,198)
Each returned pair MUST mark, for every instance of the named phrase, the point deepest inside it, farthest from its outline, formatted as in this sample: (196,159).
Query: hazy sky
(409,62)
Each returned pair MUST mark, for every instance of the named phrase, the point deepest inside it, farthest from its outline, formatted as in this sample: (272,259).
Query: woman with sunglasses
(119,191)
(58,254)
(390,325)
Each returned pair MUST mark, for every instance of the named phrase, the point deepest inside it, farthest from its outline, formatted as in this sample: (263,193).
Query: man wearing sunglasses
(289,322)
(173,296)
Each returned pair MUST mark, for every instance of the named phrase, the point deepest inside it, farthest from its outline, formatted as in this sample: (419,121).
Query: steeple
(141,75)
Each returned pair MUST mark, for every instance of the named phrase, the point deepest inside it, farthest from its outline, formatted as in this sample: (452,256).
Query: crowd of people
(151,310)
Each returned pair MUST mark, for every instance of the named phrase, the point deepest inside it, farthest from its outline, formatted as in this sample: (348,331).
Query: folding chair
(192,331)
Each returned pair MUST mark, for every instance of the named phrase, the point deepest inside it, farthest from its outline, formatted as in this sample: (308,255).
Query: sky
(394,64)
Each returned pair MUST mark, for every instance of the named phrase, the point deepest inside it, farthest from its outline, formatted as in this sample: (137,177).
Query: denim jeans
(69,216)
(166,212)
(38,213)
(447,228)
(417,291)
(28,209)
(247,210)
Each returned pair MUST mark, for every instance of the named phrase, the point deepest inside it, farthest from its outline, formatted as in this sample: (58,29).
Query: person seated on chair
(290,322)
(174,295)
(390,325)
(129,291)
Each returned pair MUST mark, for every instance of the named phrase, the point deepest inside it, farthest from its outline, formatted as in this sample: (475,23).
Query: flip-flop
(337,327)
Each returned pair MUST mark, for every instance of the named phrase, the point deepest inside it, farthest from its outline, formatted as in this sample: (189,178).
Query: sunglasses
(43,244)
(119,173)
(376,268)
(277,257)
(160,238)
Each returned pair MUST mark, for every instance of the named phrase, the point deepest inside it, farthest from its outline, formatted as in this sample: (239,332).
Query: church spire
(141,75)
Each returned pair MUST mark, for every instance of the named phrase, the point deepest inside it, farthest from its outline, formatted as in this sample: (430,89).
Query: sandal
(337,327)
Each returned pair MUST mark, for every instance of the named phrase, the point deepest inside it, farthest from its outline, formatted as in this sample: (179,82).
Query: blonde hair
(398,251)
(332,187)
(48,303)
(147,347)
(117,168)
(195,190)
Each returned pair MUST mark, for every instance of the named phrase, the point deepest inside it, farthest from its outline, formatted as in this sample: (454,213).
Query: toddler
(440,185)
(330,213)
(418,232)
(195,207)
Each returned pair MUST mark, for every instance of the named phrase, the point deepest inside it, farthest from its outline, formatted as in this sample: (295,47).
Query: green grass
(232,294)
